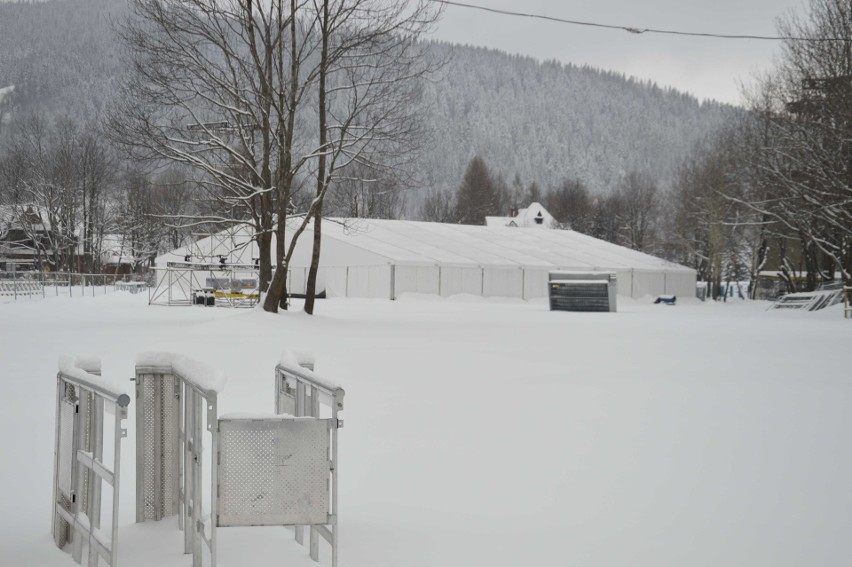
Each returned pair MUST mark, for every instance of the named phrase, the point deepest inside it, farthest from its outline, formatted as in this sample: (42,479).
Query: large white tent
(387,258)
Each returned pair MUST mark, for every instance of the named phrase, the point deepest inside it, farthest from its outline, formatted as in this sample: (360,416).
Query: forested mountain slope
(61,56)
(545,121)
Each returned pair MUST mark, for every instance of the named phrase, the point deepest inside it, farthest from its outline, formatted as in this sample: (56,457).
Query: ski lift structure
(218,269)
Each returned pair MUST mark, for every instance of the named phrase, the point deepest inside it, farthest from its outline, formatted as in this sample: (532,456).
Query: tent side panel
(681,284)
(379,281)
(648,283)
(535,283)
(297,282)
(503,282)
(368,281)
(416,279)
(335,281)
(457,280)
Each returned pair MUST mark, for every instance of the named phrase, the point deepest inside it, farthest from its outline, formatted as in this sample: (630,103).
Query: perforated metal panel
(85,417)
(273,472)
(66,445)
(148,406)
(160,405)
(61,528)
(169,432)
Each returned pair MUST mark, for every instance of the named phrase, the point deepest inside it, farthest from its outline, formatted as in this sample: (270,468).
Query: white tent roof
(437,243)
(379,242)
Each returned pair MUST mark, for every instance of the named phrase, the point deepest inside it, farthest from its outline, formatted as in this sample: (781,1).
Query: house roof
(534,216)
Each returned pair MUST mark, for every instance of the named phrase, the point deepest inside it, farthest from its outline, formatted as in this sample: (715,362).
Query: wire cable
(635,30)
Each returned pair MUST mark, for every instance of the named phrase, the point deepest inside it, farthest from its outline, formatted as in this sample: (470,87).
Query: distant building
(534,216)
(26,243)
(24,238)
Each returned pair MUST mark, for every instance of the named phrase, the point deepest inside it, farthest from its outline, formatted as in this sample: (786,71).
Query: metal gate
(263,471)
(303,394)
(175,412)
(82,400)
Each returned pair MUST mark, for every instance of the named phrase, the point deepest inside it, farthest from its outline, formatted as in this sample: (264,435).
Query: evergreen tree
(477,195)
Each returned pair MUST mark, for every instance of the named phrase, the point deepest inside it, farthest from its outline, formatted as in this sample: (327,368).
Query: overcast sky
(706,67)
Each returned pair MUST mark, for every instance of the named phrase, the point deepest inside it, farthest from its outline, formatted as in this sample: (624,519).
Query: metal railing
(173,413)
(82,399)
(15,289)
(30,285)
(263,470)
(301,393)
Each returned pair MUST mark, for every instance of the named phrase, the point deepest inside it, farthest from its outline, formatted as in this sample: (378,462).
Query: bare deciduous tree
(259,97)
(801,163)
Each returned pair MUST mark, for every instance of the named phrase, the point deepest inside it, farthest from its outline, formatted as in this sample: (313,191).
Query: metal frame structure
(217,256)
(180,283)
(79,467)
(810,300)
(301,393)
(170,424)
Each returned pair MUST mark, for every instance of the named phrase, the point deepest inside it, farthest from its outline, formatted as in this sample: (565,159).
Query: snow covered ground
(490,433)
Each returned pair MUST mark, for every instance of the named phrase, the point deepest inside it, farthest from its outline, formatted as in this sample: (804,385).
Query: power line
(635,30)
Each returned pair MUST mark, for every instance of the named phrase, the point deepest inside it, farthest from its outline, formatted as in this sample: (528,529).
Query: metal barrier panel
(158,405)
(302,394)
(274,472)
(173,416)
(82,398)
(278,470)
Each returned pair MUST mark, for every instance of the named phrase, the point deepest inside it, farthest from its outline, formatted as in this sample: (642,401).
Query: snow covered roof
(452,244)
(534,216)
(378,242)
(15,216)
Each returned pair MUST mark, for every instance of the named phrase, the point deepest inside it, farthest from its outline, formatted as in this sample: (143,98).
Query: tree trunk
(283,265)
(276,289)
(322,177)
(311,288)
(264,246)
